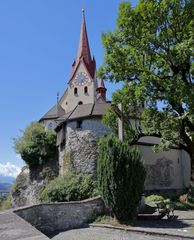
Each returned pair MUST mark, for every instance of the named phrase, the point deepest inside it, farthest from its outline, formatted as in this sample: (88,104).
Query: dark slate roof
(100,108)
(82,111)
(55,112)
(85,111)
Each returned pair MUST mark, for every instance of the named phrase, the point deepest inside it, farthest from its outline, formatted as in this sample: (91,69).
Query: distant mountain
(6,183)
(6,179)
(5,186)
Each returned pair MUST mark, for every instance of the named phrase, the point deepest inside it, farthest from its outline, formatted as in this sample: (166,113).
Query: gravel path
(106,234)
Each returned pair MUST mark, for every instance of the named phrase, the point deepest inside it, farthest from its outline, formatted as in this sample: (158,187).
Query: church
(77,119)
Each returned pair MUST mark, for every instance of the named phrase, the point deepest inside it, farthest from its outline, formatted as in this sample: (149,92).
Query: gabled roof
(82,111)
(54,113)
(85,111)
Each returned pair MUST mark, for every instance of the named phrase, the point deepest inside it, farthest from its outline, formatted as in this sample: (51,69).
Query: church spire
(84,48)
(101,90)
(83,53)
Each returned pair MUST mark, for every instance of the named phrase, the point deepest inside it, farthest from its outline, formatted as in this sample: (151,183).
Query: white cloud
(9,170)
(18,156)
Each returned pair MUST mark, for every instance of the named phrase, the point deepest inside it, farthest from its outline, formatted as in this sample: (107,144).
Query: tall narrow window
(86,90)
(75,91)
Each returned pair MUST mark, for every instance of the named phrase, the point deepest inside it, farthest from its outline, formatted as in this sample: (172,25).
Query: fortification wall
(58,217)
(80,151)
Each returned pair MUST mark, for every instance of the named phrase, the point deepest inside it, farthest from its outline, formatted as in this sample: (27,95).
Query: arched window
(85,90)
(75,91)
(80,103)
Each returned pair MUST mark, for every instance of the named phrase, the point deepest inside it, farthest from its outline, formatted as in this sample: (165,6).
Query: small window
(79,124)
(75,91)
(80,103)
(86,90)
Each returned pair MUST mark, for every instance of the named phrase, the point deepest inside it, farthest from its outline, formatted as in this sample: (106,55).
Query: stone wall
(81,147)
(58,217)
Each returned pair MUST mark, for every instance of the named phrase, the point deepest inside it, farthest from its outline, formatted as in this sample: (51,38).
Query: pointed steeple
(102,83)
(83,53)
(84,48)
(101,90)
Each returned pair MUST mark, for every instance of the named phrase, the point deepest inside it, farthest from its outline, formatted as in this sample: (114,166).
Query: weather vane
(83,7)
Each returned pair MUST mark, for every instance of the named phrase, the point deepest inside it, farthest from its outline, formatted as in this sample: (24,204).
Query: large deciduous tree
(152,49)
(36,145)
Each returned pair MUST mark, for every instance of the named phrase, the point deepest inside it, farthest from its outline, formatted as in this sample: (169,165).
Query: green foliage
(2,198)
(19,183)
(155,198)
(106,219)
(152,49)
(130,110)
(121,176)
(69,187)
(36,145)
(67,160)
(184,205)
(49,174)
(180,202)
(6,204)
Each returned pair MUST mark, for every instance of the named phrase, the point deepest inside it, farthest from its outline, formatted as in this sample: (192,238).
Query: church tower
(82,83)
(101,92)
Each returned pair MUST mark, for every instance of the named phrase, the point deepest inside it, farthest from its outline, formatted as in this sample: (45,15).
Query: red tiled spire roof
(84,48)
(83,53)
(102,83)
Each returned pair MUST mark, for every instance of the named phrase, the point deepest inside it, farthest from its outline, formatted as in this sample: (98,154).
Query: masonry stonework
(58,217)
(80,151)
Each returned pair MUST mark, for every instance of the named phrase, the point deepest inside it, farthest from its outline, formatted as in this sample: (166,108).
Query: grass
(6,204)
(106,219)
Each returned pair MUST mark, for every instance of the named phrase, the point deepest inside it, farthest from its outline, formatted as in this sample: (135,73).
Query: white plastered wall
(71,100)
(165,170)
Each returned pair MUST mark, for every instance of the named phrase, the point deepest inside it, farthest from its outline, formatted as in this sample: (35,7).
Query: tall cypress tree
(121,177)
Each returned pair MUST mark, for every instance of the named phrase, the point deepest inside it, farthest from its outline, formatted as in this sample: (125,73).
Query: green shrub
(176,200)
(6,204)
(70,187)
(36,145)
(105,219)
(155,198)
(121,176)
(49,174)
(183,205)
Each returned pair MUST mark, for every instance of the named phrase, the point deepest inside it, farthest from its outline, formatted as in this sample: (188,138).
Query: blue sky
(38,43)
